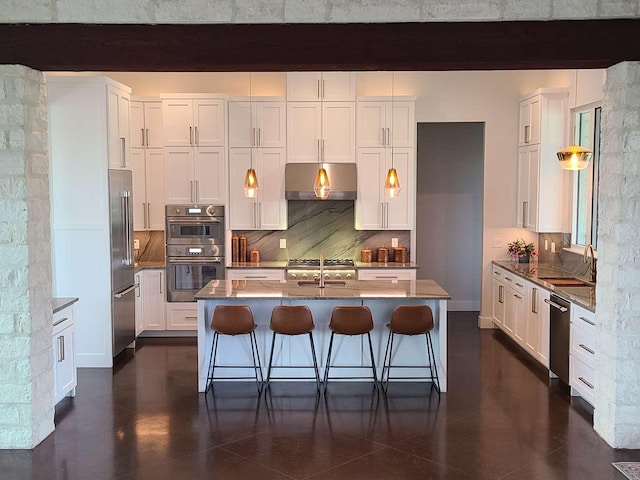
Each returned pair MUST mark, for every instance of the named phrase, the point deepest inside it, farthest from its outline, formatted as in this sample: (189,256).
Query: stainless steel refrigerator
(122,275)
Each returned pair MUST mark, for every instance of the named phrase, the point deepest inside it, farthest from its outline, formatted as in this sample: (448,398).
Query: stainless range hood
(299,179)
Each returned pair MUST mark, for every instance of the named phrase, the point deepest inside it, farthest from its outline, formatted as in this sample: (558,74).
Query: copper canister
(400,254)
(254,256)
(235,245)
(366,255)
(383,254)
(242,249)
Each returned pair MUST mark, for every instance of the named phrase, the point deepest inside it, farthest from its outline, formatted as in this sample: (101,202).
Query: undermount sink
(565,282)
(316,283)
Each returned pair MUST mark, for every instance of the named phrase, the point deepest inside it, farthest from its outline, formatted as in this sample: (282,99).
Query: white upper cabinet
(373,210)
(146,123)
(385,123)
(543,131)
(118,130)
(321,131)
(147,167)
(269,210)
(194,175)
(191,122)
(257,124)
(315,86)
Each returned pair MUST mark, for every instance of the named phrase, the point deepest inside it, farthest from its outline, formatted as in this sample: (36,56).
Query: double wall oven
(195,249)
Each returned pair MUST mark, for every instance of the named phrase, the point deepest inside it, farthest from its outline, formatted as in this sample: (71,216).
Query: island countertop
(419,289)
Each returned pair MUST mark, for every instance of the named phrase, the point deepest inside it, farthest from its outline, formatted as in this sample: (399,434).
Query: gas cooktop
(315,262)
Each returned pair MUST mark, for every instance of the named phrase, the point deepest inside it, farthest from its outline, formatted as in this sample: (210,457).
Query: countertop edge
(532,276)
(62,303)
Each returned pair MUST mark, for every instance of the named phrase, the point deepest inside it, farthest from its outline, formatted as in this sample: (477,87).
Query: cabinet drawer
(383,274)
(258,274)
(583,344)
(509,279)
(584,318)
(582,379)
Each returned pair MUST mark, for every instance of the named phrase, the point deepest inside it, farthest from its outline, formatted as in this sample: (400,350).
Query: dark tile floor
(501,419)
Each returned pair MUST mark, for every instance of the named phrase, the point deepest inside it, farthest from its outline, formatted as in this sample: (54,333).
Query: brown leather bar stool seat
(234,320)
(292,320)
(411,320)
(350,320)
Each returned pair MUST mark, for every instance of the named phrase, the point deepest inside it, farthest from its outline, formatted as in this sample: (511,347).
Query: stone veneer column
(617,403)
(26,358)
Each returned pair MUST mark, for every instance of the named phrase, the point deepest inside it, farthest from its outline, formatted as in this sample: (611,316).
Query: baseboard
(168,333)
(486,322)
(463,306)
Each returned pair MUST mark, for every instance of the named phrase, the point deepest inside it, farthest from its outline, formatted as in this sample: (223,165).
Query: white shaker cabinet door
(303,131)
(338,132)
(177,122)
(242,213)
(209,123)
(272,205)
(368,205)
(209,175)
(178,174)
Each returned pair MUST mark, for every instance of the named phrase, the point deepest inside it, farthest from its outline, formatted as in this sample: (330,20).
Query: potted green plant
(522,250)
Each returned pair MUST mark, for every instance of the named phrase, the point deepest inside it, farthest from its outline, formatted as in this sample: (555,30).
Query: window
(585,191)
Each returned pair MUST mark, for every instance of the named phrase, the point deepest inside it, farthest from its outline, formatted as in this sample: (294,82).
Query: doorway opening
(449,220)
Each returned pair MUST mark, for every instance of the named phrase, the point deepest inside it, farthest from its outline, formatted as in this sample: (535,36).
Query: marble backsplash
(151,246)
(317,227)
(568,261)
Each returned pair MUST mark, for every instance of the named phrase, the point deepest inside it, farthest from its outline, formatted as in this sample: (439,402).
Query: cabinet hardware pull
(518,297)
(191,317)
(128,290)
(123,158)
(148,215)
(61,348)
(160,276)
(322,143)
(318,85)
(500,294)
(322,88)
(534,301)
(197,136)
(554,304)
(197,190)
(144,215)
(588,321)
(190,135)
(253,139)
(525,214)
(527,133)
(142,131)
(192,199)
(519,285)
(137,287)
(384,139)
(584,347)
(388,136)
(508,279)
(319,150)
(60,321)
(255,277)
(147,137)
(259,136)
(586,383)
(497,273)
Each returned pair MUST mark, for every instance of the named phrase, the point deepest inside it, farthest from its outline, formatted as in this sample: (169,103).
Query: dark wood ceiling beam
(286,47)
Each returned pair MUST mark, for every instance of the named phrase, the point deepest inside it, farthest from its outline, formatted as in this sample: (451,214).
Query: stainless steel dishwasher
(559,335)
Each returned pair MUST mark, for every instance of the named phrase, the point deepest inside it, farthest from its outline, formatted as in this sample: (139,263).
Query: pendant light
(574,157)
(391,182)
(321,186)
(250,185)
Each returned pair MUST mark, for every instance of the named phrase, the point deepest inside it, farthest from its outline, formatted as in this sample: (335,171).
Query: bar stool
(292,320)
(411,320)
(351,320)
(234,320)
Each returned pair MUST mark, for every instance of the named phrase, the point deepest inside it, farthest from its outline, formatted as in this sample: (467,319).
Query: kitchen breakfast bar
(380,296)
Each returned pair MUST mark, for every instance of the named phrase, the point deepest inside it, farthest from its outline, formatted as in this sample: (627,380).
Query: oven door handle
(192,260)
(556,305)
(192,222)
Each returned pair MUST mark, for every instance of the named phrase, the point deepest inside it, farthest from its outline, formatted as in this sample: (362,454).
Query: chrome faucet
(588,252)
(321,271)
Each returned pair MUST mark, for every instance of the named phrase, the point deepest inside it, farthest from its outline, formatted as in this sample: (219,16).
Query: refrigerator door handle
(127,228)
(125,292)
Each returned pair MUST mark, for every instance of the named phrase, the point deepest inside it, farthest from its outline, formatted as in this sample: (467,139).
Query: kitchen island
(380,296)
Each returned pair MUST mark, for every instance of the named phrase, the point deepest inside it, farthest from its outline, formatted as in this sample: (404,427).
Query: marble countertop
(419,289)
(148,265)
(62,303)
(269,264)
(393,265)
(537,272)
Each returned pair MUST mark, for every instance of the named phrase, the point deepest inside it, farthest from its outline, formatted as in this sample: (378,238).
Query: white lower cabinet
(152,300)
(520,311)
(582,353)
(65,376)
(387,274)
(182,316)
(256,274)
